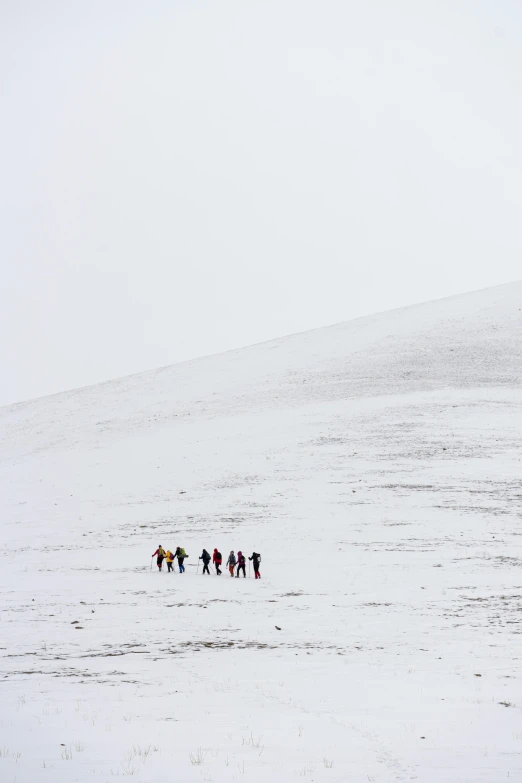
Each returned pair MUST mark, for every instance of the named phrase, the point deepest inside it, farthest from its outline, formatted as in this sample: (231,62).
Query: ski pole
(197,569)
(152,558)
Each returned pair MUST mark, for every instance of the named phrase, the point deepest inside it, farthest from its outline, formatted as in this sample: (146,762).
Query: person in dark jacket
(181,555)
(256,559)
(241,562)
(217,560)
(206,560)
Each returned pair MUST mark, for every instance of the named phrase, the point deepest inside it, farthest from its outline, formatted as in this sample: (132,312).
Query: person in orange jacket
(170,561)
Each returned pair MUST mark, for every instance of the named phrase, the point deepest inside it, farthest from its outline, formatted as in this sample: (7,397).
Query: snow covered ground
(376,466)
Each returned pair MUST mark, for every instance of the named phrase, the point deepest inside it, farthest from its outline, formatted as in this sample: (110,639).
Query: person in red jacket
(217,560)
(160,552)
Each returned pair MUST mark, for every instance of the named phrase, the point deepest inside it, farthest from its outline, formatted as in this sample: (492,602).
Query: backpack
(242,560)
(218,557)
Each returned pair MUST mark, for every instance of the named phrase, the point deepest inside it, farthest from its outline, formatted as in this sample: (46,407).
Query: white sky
(178,177)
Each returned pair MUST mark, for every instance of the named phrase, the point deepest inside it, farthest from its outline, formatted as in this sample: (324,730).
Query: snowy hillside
(376,465)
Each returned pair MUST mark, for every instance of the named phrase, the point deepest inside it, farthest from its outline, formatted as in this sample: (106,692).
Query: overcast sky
(180,177)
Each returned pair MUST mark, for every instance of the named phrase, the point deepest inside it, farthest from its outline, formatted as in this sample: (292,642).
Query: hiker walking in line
(256,558)
(181,555)
(206,560)
(231,563)
(217,560)
(169,557)
(160,552)
(241,562)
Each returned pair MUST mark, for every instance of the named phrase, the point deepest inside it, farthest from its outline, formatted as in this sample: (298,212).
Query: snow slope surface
(375,465)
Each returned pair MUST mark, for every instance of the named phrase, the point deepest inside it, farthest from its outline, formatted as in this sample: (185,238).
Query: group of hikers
(169,557)
(234,563)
